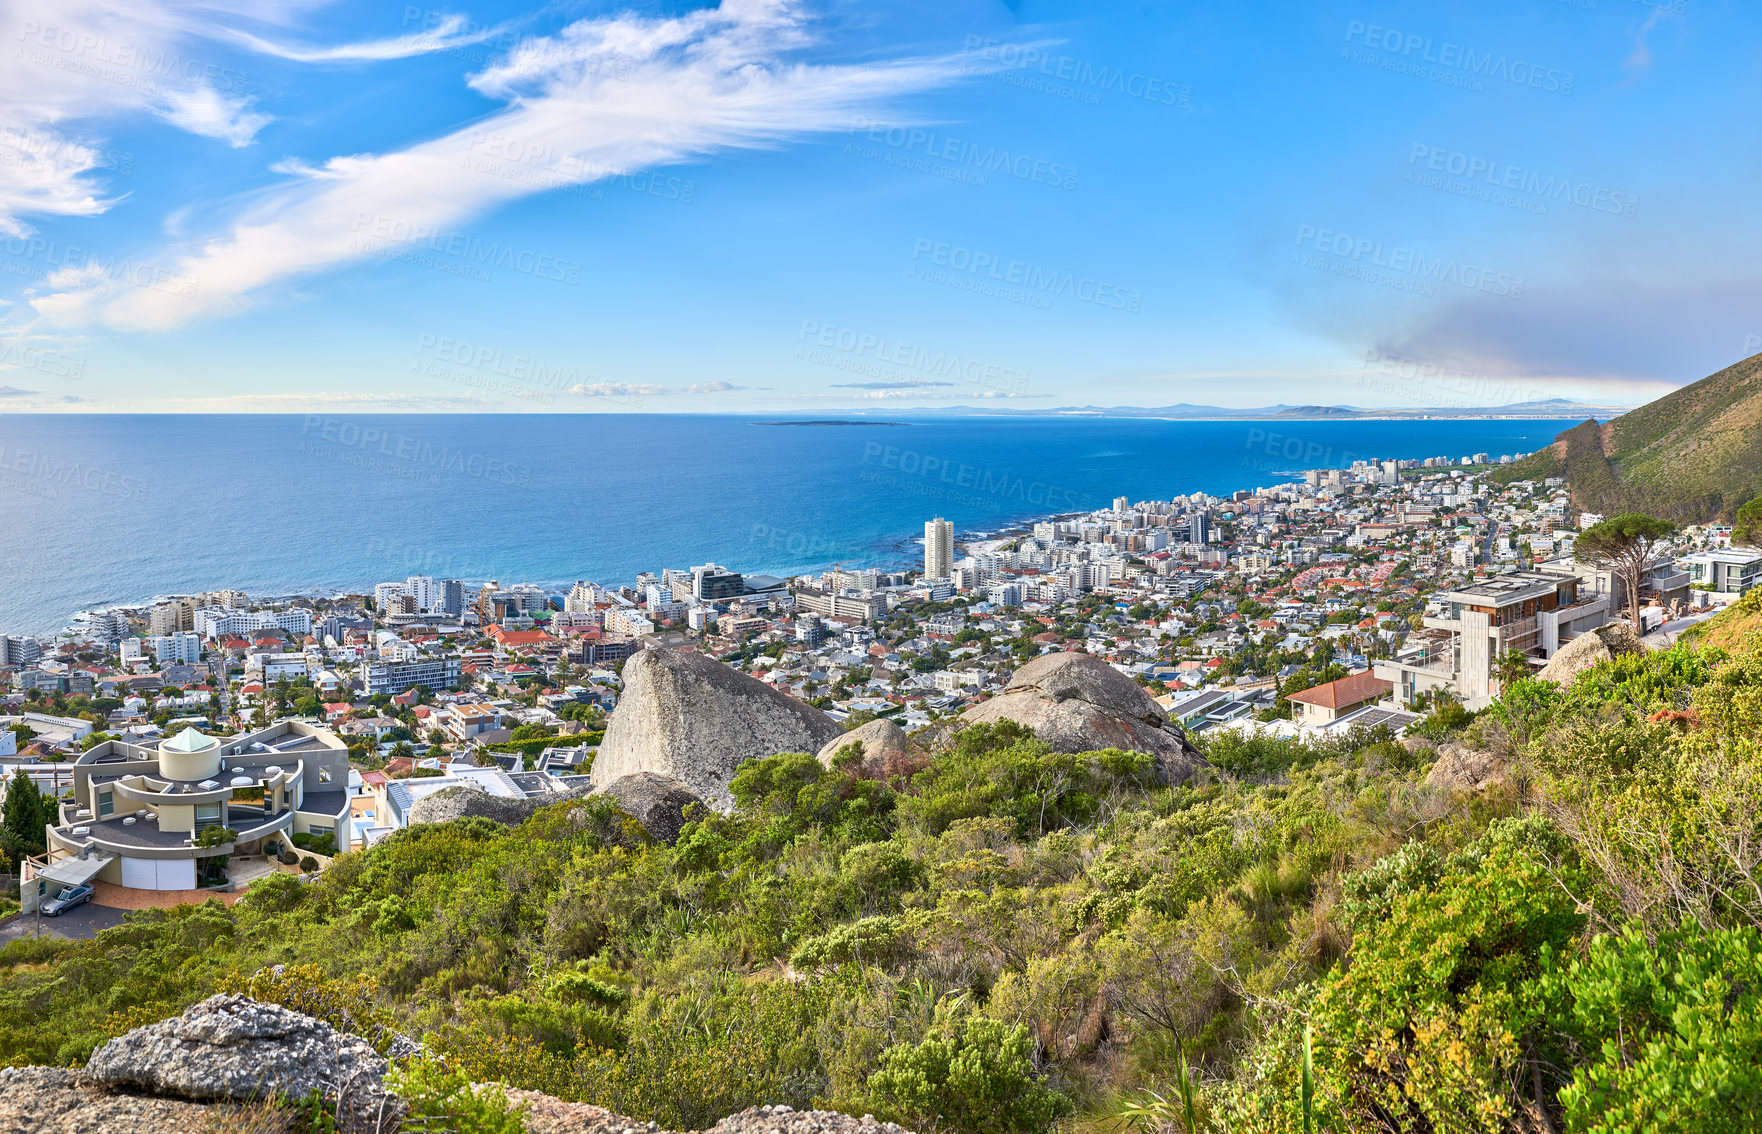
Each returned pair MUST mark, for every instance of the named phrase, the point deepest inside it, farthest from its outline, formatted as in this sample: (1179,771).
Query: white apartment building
(184,647)
(1724,571)
(218,622)
(278,666)
(938,548)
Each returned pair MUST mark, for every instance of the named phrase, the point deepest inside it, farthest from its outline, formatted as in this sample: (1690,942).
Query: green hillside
(1692,455)
(1331,935)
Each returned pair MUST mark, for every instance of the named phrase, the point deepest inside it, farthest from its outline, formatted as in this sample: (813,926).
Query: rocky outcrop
(695,720)
(1463,769)
(546,1115)
(462,802)
(54,1100)
(885,751)
(234,1063)
(657,802)
(1079,703)
(234,1047)
(1610,641)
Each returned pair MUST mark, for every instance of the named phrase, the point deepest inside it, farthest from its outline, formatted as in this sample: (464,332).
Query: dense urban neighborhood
(1361,596)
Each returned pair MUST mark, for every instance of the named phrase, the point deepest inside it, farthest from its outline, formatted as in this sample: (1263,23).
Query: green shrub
(971,1076)
(873,940)
(1672,1031)
(317,844)
(443,1099)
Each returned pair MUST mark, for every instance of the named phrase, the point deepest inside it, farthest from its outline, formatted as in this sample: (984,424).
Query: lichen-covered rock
(696,720)
(234,1047)
(1608,641)
(1463,769)
(884,750)
(54,1100)
(1079,703)
(463,801)
(657,802)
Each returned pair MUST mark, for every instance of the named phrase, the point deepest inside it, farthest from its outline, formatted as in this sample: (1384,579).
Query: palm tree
(1512,666)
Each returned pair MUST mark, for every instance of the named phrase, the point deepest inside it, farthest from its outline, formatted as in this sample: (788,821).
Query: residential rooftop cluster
(1350,596)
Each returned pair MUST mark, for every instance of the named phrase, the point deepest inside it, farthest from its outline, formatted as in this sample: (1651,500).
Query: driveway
(78,924)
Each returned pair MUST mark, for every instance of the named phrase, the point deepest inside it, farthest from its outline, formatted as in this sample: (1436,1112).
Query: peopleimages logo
(977,156)
(948,473)
(1372,255)
(1033,279)
(1499,175)
(365,445)
(1413,52)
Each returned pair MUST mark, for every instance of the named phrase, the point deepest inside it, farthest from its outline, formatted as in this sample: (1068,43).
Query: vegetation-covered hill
(1693,455)
(1013,934)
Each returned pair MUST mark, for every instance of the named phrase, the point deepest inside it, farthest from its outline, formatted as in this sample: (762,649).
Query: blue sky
(769,205)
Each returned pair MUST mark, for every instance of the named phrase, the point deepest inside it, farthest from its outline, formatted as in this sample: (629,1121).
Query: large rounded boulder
(659,803)
(469,801)
(1079,703)
(693,719)
(883,751)
(1611,640)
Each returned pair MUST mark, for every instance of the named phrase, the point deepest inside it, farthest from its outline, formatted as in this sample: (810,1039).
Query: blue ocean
(104,510)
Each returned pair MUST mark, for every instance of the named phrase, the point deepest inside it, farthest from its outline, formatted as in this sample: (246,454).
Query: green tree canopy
(1627,544)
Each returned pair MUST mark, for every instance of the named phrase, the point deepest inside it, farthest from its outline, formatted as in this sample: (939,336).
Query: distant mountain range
(1692,456)
(1186,411)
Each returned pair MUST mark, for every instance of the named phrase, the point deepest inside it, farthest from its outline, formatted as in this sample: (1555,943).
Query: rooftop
(1507,589)
(1351,690)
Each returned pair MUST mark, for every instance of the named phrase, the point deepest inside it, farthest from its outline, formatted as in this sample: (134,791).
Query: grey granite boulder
(695,720)
(1079,703)
(460,802)
(657,802)
(1611,640)
(1459,768)
(234,1047)
(884,750)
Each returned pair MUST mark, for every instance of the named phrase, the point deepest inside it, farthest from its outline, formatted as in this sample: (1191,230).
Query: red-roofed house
(335,709)
(1330,702)
(520,639)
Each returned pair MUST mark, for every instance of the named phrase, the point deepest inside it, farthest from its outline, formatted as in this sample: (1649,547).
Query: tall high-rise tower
(938,548)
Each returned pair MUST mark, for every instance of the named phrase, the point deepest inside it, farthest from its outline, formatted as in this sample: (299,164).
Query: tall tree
(1748,529)
(1628,545)
(26,812)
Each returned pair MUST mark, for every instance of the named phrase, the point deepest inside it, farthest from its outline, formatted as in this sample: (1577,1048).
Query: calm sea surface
(97,511)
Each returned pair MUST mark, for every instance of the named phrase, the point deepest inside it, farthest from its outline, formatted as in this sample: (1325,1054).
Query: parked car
(66,900)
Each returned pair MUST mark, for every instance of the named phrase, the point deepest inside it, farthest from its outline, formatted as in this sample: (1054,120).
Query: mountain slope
(1692,455)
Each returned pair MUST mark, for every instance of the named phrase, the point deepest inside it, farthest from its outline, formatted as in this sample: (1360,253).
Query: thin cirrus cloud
(71,63)
(603,97)
(448,33)
(68,62)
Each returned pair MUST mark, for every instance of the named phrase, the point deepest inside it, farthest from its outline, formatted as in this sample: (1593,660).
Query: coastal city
(811,567)
(1351,597)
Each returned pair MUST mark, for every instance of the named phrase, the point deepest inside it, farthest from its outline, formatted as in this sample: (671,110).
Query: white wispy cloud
(604,97)
(648,390)
(449,32)
(72,64)
(617,390)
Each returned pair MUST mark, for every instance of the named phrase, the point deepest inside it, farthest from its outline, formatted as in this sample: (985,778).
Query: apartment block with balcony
(1531,612)
(137,812)
(391,677)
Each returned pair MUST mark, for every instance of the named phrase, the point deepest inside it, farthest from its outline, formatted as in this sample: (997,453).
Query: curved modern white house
(144,807)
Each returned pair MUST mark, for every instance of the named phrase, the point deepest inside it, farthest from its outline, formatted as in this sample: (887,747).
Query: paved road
(78,924)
